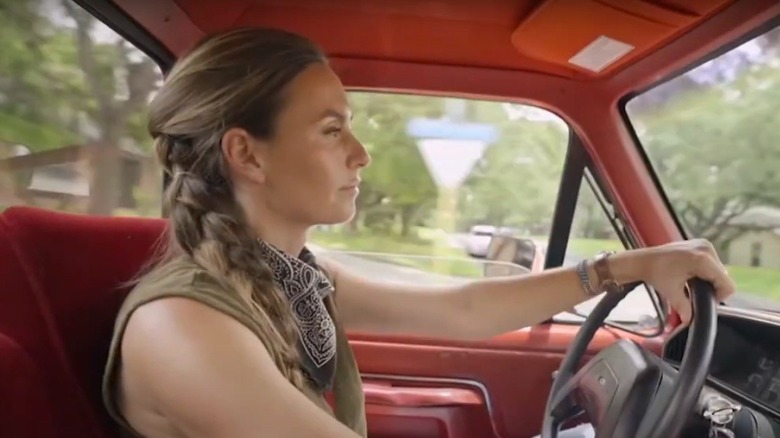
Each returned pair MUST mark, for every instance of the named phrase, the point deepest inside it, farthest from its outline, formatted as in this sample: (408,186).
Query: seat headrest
(78,262)
(71,256)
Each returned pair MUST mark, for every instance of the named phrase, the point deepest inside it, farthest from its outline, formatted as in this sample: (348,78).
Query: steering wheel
(626,390)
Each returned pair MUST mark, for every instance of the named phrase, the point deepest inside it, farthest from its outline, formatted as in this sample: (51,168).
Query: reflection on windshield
(712,136)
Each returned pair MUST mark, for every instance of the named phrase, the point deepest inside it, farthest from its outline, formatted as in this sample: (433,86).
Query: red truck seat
(61,285)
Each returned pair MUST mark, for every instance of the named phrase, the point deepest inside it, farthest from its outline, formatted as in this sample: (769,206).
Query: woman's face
(311,167)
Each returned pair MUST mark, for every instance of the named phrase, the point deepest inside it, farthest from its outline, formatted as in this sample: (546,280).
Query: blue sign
(448,130)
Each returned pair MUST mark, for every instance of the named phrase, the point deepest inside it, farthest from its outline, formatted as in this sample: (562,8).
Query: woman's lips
(354,185)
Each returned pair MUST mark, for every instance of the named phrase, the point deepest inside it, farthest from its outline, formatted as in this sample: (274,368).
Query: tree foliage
(717,153)
(64,80)
(516,182)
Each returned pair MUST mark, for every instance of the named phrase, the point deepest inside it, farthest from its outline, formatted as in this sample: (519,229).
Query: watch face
(604,254)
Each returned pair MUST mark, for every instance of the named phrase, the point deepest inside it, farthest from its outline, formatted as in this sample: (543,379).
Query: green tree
(717,153)
(516,182)
(62,85)
(119,85)
(397,183)
(31,108)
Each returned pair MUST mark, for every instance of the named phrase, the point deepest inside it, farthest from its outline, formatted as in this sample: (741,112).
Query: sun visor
(596,36)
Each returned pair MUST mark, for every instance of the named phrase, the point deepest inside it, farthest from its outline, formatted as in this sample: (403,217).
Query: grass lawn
(761,282)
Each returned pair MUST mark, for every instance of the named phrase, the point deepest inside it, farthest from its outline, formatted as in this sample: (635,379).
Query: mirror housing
(509,255)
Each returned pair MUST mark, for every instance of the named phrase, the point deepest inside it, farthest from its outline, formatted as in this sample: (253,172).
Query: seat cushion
(27,409)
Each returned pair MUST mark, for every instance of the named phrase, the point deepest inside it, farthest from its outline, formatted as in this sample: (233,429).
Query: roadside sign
(450,161)
(450,149)
(446,129)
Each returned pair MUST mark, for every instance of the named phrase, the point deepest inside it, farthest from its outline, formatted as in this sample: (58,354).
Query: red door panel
(498,387)
(425,408)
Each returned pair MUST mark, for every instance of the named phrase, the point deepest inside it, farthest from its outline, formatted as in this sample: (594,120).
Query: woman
(238,331)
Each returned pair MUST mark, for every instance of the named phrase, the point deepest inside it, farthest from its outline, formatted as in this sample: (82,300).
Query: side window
(447,175)
(73,100)
(710,135)
(594,229)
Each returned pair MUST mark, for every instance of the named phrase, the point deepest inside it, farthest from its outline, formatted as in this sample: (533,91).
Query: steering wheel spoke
(564,406)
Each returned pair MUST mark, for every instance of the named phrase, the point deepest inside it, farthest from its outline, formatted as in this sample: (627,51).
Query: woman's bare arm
(210,376)
(488,307)
(475,310)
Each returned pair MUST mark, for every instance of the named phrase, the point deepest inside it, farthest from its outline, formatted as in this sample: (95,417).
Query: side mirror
(509,255)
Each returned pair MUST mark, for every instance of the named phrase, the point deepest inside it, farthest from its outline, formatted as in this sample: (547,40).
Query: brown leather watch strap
(606,280)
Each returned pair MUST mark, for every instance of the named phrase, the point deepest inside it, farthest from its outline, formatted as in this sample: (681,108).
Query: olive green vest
(183,278)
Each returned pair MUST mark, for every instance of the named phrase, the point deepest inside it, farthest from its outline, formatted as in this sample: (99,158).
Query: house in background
(759,247)
(61,178)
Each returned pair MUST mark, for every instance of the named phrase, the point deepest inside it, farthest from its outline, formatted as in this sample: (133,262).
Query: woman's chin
(340,214)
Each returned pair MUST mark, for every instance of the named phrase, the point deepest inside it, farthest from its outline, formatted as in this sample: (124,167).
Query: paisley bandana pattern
(305,287)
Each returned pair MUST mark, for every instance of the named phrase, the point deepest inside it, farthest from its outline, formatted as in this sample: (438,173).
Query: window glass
(449,176)
(73,101)
(593,232)
(712,137)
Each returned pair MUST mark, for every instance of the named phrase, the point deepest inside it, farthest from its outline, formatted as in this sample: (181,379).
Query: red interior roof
(527,35)
(510,49)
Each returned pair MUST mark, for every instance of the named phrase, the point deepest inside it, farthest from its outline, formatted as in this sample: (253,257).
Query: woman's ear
(243,155)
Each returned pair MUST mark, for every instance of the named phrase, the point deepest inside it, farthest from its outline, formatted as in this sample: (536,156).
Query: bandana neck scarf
(305,287)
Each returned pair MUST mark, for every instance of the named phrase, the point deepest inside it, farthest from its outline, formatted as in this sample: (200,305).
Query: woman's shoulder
(178,276)
(175,280)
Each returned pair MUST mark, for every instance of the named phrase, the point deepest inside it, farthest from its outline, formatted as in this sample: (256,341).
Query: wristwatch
(606,282)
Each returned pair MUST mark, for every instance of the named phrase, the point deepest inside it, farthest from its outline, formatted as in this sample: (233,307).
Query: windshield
(713,137)
(447,173)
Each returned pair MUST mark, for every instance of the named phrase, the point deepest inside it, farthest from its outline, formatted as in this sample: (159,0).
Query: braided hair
(234,79)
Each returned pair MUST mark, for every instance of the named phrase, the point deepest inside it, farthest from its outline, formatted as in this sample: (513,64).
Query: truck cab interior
(574,125)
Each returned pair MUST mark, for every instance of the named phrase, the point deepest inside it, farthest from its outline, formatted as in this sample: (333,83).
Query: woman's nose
(360,156)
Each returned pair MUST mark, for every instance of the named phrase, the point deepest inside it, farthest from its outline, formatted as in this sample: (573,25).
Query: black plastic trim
(121,23)
(566,203)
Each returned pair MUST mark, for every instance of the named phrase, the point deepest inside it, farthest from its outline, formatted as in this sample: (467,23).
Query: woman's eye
(333,131)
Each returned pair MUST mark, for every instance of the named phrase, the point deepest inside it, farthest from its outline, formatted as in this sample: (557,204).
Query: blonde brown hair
(234,79)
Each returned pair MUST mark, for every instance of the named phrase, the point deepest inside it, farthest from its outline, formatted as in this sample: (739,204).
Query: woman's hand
(668,267)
